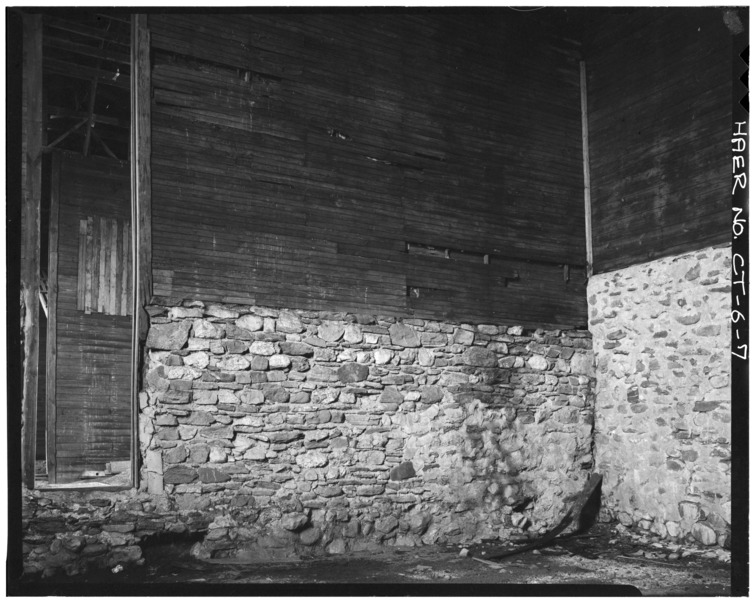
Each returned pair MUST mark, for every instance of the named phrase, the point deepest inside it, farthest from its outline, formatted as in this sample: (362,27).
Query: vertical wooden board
(33,140)
(118,253)
(52,305)
(90,297)
(103,264)
(112,308)
(81,282)
(125,259)
(141,144)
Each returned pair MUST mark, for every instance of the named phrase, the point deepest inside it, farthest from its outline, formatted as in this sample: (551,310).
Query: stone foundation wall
(73,531)
(661,333)
(281,433)
(335,430)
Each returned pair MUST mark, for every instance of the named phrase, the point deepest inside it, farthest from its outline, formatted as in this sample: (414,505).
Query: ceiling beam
(59,112)
(105,77)
(105,54)
(87,31)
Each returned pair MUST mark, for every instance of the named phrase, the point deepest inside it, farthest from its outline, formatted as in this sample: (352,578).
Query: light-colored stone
(279,361)
(538,363)
(311,459)
(250,322)
(704,533)
(233,363)
(262,348)
(404,335)
(330,332)
(382,356)
(289,322)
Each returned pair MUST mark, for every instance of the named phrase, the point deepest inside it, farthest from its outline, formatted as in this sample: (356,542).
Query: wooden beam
(104,145)
(89,118)
(85,50)
(59,139)
(52,284)
(141,210)
(32,131)
(141,156)
(57,112)
(586,169)
(86,31)
(105,77)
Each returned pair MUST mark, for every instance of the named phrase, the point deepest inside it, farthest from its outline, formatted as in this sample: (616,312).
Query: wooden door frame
(140,159)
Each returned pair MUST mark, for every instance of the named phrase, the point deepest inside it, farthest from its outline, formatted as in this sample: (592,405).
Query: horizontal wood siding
(93,361)
(660,100)
(294,157)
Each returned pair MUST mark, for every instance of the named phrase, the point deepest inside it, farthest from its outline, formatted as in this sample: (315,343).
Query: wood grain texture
(93,374)
(659,93)
(52,301)
(109,259)
(33,140)
(293,157)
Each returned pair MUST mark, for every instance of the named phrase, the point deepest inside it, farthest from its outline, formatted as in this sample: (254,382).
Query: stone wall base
(291,433)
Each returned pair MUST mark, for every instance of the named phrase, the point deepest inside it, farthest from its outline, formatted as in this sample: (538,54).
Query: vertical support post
(52,322)
(32,133)
(586,169)
(141,208)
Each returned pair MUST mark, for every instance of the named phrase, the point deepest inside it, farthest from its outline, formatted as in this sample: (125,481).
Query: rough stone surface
(408,426)
(662,430)
(168,336)
(404,335)
(480,357)
(352,373)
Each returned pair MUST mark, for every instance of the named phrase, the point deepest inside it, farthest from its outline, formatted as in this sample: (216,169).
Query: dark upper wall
(296,156)
(660,101)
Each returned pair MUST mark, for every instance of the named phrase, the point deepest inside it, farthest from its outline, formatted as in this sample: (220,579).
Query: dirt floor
(590,562)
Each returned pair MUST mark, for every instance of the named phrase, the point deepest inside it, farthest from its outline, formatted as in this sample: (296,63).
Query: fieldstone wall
(281,434)
(73,531)
(321,432)
(661,333)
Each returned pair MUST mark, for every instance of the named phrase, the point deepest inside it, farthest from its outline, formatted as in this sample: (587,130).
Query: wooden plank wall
(93,407)
(660,98)
(295,157)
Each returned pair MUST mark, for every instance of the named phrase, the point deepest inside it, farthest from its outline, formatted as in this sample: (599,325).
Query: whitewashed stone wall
(661,334)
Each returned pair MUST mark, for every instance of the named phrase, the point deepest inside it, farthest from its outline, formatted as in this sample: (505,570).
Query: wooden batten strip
(89,301)
(112,308)
(586,169)
(125,300)
(101,252)
(81,281)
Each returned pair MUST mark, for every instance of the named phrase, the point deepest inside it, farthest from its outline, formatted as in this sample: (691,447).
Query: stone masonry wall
(279,433)
(314,432)
(661,333)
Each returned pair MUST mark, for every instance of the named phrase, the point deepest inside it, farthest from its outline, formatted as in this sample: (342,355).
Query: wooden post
(141,209)
(586,169)
(32,133)
(52,320)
